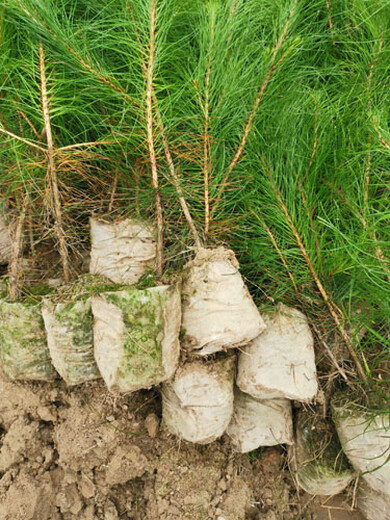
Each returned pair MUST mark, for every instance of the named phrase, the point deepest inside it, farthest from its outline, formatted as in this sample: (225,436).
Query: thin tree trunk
(52,172)
(151,140)
(248,126)
(332,308)
(168,156)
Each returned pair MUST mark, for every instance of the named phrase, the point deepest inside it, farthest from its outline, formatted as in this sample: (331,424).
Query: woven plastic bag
(69,328)
(24,352)
(258,423)
(316,459)
(198,402)
(136,336)
(280,363)
(218,311)
(365,439)
(122,251)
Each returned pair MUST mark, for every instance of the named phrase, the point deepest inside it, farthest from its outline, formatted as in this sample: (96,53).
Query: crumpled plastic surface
(122,251)
(218,311)
(280,363)
(365,439)
(69,328)
(198,402)
(258,423)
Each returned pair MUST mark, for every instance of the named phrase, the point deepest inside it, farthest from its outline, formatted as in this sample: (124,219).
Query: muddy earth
(83,453)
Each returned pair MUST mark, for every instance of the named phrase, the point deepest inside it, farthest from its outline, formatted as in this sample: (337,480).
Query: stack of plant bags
(5,242)
(260,423)
(24,352)
(136,336)
(198,402)
(365,438)
(317,460)
(218,311)
(280,363)
(123,251)
(69,328)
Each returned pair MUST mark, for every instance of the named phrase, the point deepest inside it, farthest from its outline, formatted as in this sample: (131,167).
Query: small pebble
(45,414)
(152,424)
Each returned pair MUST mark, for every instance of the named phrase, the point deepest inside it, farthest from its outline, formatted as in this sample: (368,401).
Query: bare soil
(83,453)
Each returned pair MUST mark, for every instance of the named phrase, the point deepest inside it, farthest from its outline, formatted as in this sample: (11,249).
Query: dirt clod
(152,424)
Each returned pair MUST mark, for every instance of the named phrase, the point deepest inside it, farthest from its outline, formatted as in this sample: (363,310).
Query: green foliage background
(307,203)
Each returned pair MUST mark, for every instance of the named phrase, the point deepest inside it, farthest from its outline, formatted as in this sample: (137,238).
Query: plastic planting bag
(23,349)
(280,363)
(373,505)
(5,242)
(122,251)
(260,423)
(198,403)
(136,336)
(69,328)
(365,439)
(218,311)
(317,460)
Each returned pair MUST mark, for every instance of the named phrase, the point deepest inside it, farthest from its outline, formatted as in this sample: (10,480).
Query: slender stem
(332,308)
(113,192)
(205,106)
(151,139)
(206,132)
(248,126)
(330,22)
(85,65)
(234,7)
(278,250)
(383,141)
(84,145)
(290,275)
(21,139)
(207,148)
(20,112)
(176,183)
(51,170)
(101,77)
(168,155)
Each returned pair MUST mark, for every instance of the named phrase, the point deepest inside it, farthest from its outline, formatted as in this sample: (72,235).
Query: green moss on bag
(136,336)
(69,329)
(23,348)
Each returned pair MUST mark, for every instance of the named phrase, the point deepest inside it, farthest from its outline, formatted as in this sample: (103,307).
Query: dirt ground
(84,454)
